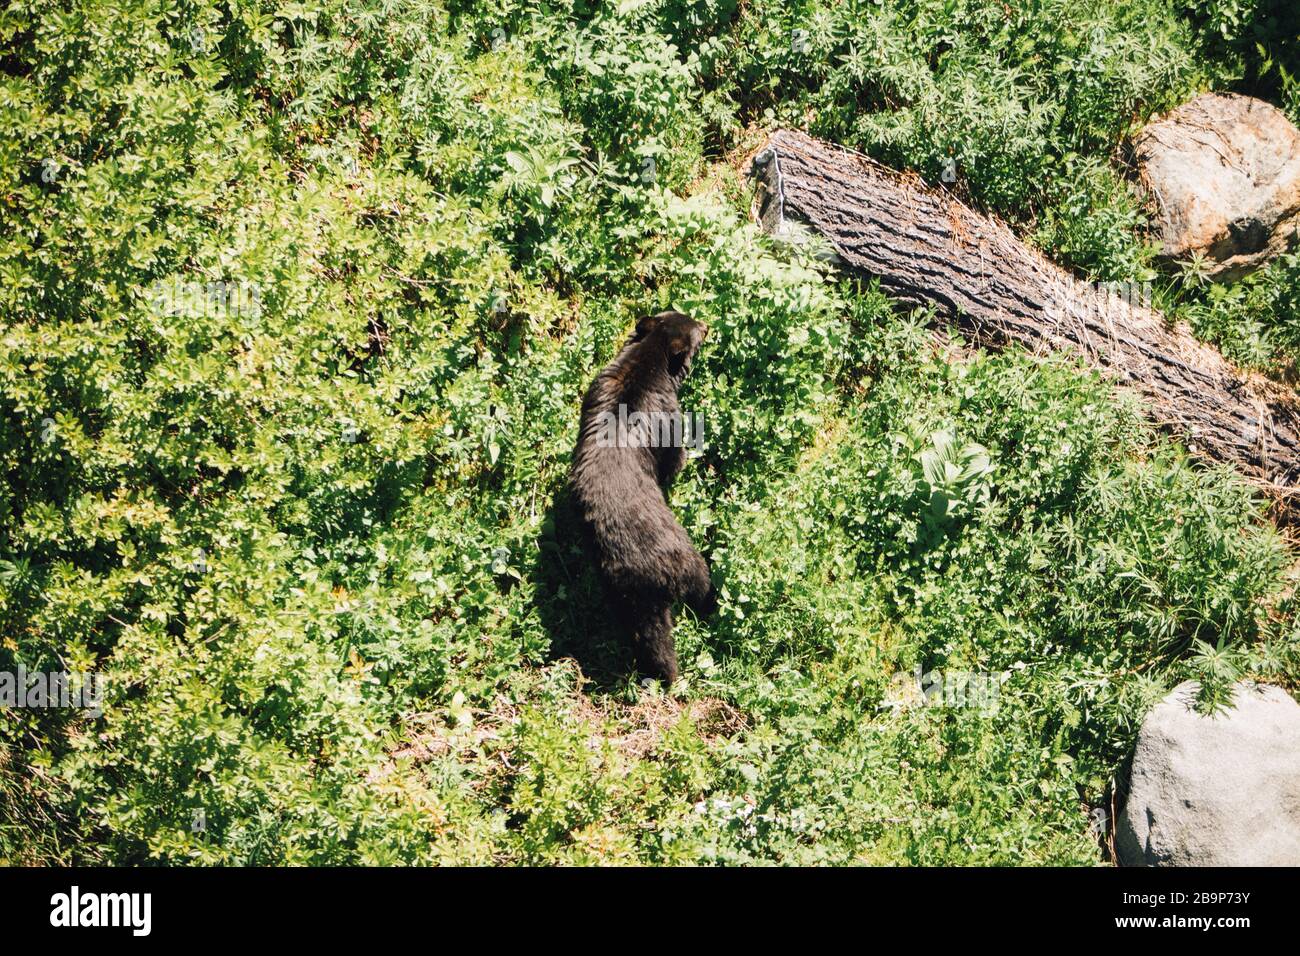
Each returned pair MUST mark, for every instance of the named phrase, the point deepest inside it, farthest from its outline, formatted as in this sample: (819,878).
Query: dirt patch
(635,730)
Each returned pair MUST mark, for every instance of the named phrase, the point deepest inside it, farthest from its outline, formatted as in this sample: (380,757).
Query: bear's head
(677,334)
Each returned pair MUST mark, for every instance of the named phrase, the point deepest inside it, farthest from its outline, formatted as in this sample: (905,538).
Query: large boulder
(1224,174)
(1215,791)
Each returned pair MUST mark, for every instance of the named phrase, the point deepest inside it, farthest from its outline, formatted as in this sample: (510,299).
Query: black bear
(631,445)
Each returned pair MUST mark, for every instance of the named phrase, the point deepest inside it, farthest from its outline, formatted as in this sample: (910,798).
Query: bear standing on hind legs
(630,448)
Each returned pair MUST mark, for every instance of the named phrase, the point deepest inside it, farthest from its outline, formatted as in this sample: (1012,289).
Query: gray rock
(1224,174)
(1215,791)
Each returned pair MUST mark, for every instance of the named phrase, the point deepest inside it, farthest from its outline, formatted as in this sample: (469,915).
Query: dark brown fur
(645,558)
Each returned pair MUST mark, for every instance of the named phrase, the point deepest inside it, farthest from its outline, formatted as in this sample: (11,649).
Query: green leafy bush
(298,306)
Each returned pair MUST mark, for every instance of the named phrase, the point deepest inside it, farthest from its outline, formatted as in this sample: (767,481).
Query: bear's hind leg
(699,593)
(652,641)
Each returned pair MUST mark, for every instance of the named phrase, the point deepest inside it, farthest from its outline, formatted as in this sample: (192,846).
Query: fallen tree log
(928,248)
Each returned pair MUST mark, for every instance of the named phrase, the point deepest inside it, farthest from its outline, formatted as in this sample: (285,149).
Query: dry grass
(634,730)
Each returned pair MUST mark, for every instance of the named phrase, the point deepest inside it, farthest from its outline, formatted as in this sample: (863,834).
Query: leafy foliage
(299,302)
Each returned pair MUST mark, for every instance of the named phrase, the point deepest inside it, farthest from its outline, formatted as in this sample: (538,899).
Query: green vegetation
(298,304)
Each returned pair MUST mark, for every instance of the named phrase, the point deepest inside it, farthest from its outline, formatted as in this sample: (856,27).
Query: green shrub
(298,306)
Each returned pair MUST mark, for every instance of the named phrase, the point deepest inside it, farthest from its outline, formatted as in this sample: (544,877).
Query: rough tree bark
(928,248)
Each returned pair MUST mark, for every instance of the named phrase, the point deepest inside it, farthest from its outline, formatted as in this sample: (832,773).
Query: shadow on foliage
(571,605)
(1270,28)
